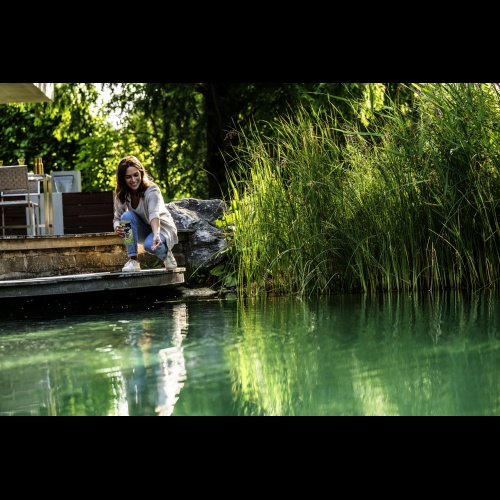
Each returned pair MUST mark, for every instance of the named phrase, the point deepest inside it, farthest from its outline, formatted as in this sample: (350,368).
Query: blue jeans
(143,234)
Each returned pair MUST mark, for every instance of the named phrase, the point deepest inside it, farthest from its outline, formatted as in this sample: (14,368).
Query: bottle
(129,235)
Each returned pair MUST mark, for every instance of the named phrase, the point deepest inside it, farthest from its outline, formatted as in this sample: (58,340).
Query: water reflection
(131,365)
(371,355)
(156,376)
(433,354)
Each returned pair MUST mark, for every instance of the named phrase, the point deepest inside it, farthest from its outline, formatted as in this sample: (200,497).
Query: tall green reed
(408,202)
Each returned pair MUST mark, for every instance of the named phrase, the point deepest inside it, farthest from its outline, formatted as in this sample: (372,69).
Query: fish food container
(127,227)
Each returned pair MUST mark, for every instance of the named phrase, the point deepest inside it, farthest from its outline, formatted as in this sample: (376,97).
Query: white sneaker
(170,262)
(132,265)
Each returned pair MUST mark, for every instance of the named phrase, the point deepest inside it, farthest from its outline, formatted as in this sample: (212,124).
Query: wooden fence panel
(14,216)
(87,212)
(83,213)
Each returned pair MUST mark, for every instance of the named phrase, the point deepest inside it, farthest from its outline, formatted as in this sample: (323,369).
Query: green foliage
(225,274)
(69,134)
(185,133)
(404,198)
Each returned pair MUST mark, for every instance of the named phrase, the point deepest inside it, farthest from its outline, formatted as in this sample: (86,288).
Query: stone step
(27,257)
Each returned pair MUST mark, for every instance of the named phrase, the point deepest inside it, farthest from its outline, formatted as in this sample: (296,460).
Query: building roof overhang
(26,92)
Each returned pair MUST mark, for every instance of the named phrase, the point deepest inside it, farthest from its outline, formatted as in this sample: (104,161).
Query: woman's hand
(155,227)
(156,241)
(119,231)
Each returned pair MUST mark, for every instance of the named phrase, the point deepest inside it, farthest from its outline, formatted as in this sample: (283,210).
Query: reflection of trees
(131,366)
(344,355)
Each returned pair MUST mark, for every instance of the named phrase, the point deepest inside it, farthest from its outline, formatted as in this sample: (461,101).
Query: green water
(349,355)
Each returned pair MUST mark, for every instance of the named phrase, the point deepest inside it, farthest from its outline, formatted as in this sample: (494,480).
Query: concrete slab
(92,282)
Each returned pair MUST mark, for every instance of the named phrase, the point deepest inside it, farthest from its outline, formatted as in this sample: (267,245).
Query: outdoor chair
(15,191)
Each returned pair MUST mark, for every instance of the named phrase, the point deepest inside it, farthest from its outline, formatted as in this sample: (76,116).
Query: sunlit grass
(409,203)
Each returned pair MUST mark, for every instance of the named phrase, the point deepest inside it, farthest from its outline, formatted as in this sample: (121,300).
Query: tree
(186,134)
(187,131)
(71,133)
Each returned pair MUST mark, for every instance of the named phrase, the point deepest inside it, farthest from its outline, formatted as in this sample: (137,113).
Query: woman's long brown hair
(121,188)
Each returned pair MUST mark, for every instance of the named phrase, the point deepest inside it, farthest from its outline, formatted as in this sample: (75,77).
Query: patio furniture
(15,192)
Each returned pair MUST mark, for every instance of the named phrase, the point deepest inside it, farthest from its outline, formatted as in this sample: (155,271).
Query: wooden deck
(89,283)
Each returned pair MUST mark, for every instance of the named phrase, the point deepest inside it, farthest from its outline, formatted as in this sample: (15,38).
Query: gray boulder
(206,244)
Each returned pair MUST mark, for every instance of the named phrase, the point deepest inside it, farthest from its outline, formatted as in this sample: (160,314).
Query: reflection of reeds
(408,204)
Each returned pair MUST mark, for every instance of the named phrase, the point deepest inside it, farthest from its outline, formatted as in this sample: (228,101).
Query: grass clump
(405,202)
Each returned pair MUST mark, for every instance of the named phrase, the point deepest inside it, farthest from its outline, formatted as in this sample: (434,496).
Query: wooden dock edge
(91,282)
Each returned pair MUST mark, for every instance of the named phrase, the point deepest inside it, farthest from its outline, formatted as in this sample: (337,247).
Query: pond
(346,355)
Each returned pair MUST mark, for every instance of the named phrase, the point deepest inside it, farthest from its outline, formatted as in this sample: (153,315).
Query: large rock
(206,245)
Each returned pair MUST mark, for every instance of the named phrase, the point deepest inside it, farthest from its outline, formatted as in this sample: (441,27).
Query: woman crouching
(138,199)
